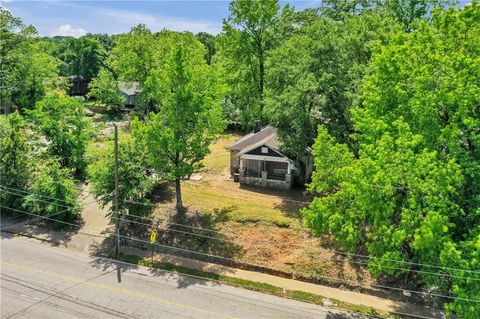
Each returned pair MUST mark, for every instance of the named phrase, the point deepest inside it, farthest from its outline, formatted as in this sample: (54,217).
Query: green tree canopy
(62,120)
(26,70)
(132,58)
(412,194)
(178,136)
(208,41)
(80,57)
(134,182)
(15,164)
(54,193)
(313,77)
(105,89)
(250,32)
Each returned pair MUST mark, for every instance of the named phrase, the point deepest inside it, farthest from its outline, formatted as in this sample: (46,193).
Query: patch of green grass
(239,209)
(256,286)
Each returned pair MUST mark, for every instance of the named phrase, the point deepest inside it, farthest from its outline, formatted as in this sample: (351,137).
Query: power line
(36,215)
(337,251)
(33,220)
(172,223)
(44,196)
(176,230)
(38,195)
(322,276)
(254,265)
(40,200)
(55,220)
(301,246)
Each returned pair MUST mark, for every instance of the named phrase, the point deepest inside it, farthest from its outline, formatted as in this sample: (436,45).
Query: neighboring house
(78,86)
(130,91)
(257,160)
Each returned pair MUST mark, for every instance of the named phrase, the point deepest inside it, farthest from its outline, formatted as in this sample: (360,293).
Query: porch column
(289,168)
(264,178)
(241,172)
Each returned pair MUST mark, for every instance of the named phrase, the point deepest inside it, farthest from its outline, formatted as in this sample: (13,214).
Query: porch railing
(253,173)
(276,176)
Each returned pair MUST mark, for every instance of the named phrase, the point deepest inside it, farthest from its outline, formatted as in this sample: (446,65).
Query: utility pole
(117,215)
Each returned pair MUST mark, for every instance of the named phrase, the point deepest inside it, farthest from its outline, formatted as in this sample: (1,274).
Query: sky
(76,18)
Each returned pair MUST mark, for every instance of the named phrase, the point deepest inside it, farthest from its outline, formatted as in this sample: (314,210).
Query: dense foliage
(104,88)
(134,180)
(14,160)
(384,94)
(250,32)
(81,57)
(413,192)
(62,121)
(53,193)
(26,70)
(178,136)
(313,78)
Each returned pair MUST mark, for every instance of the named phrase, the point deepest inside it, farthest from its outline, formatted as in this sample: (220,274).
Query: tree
(105,89)
(26,71)
(208,41)
(343,9)
(14,159)
(250,32)
(408,11)
(412,192)
(52,181)
(138,53)
(62,120)
(81,57)
(35,75)
(313,78)
(134,182)
(132,58)
(178,136)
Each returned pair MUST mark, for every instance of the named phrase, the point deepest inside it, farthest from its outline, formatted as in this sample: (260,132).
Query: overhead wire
(302,246)
(349,254)
(236,261)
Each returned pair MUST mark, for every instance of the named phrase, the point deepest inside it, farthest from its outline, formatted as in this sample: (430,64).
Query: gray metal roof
(266,136)
(129,88)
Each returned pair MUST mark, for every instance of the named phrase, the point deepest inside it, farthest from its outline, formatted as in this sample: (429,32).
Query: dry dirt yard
(258,226)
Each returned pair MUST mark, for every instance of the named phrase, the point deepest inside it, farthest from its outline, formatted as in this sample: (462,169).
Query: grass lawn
(215,193)
(260,226)
(263,227)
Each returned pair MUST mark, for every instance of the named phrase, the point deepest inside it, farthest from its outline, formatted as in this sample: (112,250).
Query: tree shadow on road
(40,230)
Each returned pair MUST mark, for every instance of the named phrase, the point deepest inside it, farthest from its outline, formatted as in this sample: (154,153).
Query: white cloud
(129,19)
(67,30)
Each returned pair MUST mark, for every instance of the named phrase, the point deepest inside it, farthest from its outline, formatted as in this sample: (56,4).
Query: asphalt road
(41,281)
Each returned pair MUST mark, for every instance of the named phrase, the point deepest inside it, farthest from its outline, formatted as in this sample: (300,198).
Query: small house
(256,160)
(78,86)
(130,91)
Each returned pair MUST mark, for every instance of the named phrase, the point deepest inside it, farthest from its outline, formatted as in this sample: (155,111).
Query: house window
(264,150)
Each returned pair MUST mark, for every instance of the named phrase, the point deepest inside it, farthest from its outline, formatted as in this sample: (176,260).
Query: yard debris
(196,177)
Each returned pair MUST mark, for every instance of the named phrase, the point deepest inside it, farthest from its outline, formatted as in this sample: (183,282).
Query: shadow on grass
(337,315)
(196,231)
(292,201)
(162,193)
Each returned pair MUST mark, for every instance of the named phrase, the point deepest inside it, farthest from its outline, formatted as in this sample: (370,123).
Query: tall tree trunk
(262,81)
(178,191)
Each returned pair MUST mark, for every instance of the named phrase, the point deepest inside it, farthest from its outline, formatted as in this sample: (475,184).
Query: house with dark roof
(256,160)
(78,86)
(130,92)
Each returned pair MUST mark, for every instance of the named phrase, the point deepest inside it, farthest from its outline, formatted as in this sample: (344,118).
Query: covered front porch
(265,171)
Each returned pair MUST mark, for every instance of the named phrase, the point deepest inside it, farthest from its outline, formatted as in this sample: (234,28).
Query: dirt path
(95,222)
